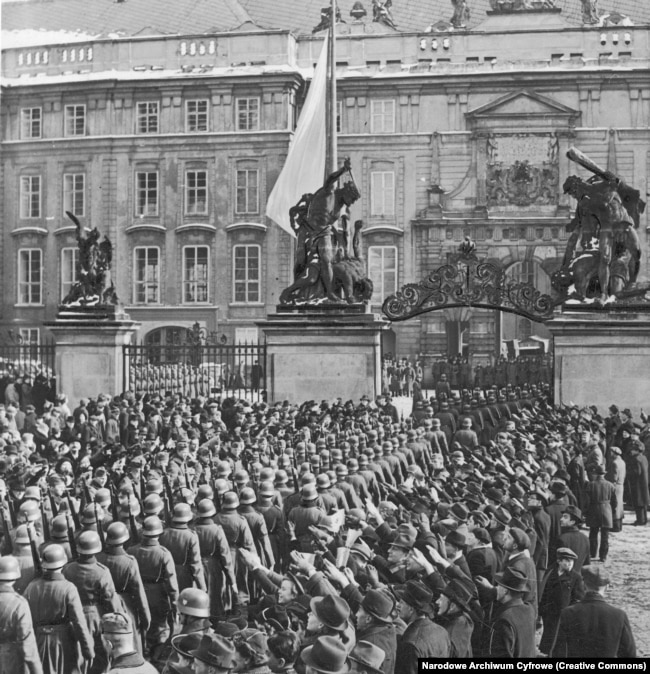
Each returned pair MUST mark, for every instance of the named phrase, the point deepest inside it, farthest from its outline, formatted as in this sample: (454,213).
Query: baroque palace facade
(168,136)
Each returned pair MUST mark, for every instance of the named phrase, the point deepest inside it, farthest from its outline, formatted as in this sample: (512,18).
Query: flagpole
(332,160)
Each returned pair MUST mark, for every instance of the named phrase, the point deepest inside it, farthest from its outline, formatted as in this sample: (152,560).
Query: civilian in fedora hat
(215,655)
(326,656)
(562,587)
(616,473)
(455,615)
(330,616)
(375,625)
(592,628)
(366,658)
(251,651)
(600,503)
(571,537)
(455,544)
(513,624)
(422,637)
(637,477)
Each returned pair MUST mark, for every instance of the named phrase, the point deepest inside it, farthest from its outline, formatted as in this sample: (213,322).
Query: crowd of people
(154,533)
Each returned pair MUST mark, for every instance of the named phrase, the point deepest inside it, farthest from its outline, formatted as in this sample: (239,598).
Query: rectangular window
(146,187)
(69,259)
(195,274)
(30,122)
(246,271)
(29,335)
(196,192)
(75,120)
(247,191)
(382,193)
(382,269)
(74,193)
(248,114)
(196,116)
(339,116)
(146,273)
(147,117)
(30,197)
(382,116)
(30,276)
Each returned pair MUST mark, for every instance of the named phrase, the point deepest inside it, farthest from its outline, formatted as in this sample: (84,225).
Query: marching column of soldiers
(149,534)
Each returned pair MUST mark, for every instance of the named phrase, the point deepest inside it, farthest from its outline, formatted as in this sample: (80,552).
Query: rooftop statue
(324,24)
(93,285)
(460,18)
(590,11)
(325,272)
(603,254)
(381,12)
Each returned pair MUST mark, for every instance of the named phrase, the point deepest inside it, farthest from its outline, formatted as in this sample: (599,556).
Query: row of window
(196,117)
(196,281)
(195,193)
(147,193)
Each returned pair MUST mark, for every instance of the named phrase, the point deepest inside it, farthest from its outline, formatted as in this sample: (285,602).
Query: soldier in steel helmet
(128,583)
(18,652)
(62,635)
(96,591)
(158,574)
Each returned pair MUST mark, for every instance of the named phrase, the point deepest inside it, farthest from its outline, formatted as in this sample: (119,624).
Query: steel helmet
(266,489)
(206,508)
(230,501)
(103,497)
(182,513)
(194,602)
(33,493)
(59,527)
(154,486)
(54,557)
(89,543)
(152,504)
(242,477)
(92,513)
(9,568)
(204,491)
(29,512)
(221,486)
(117,533)
(22,537)
(247,496)
(152,526)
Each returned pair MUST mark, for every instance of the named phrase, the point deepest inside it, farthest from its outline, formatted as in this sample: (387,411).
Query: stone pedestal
(322,353)
(602,357)
(89,357)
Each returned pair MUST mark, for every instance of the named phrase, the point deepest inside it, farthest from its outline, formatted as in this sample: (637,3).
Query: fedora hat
(216,651)
(415,594)
(575,513)
(332,611)
(458,592)
(328,655)
(369,656)
(595,576)
(512,579)
(456,539)
(379,605)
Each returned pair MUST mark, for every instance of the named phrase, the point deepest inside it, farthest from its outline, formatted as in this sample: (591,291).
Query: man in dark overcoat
(592,628)
(600,502)
(637,476)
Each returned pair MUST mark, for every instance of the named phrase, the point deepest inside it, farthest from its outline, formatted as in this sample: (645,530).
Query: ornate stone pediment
(508,111)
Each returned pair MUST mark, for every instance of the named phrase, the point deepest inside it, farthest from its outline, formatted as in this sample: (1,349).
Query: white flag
(304,168)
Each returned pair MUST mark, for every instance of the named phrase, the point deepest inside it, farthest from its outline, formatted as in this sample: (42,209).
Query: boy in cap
(562,587)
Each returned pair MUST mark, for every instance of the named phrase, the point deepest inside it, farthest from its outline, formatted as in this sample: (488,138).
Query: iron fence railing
(197,369)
